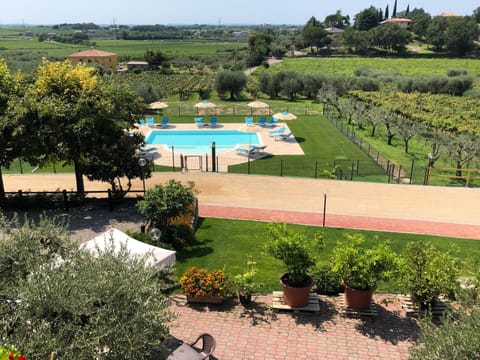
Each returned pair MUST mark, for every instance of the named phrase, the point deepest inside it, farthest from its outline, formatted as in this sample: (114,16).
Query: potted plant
(245,283)
(361,268)
(202,286)
(429,272)
(297,252)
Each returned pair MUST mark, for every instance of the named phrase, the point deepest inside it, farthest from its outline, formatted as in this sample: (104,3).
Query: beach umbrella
(205,104)
(158,105)
(257,105)
(284,116)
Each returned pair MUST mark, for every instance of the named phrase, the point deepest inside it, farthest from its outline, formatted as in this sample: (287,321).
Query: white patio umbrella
(158,105)
(205,104)
(257,105)
(284,116)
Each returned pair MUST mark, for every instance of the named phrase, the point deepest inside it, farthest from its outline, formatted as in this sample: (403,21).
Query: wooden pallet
(412,309)
(344,310)
(279,303)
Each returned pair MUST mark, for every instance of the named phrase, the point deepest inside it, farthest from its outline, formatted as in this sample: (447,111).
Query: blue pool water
(200,141)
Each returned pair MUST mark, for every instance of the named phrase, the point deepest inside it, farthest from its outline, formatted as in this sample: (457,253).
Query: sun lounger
(199,122)
(278,131)
(262,121)
(257,148)
(142,122)
(213,121)
(150,122)
(242,151)
(249,121)
(272,122)
(165,122)
(283,136)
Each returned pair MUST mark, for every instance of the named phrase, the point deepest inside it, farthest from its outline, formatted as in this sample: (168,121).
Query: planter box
(206,299)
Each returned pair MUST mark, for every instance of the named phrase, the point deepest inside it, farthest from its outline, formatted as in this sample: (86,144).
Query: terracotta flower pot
(358,299)
(296,296)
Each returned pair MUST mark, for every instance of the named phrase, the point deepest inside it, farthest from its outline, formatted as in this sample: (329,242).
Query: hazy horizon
(208,12)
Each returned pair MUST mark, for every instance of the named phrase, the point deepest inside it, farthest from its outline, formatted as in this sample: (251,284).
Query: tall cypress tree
(386,13)
(394,12)
(407,12)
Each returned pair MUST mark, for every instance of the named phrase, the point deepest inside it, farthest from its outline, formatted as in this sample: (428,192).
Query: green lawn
(225,244)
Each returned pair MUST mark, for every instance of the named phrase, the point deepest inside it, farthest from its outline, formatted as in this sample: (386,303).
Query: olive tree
(56,297)
(231,82)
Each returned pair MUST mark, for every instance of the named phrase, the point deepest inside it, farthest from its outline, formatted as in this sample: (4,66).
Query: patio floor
(258,332)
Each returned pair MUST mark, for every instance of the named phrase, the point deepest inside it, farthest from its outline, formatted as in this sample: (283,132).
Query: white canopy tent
(154,256)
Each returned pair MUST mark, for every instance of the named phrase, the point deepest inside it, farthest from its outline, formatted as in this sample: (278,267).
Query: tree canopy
(64,299)
(70,115)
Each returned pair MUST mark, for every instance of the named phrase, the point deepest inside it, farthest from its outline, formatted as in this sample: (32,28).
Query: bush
(327,282)
(199,282)
(428,271)
(295,250)
(456,72)
(362,267)
(455,339)
(162,204)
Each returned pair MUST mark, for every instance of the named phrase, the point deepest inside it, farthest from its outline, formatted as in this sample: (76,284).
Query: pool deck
(163,155)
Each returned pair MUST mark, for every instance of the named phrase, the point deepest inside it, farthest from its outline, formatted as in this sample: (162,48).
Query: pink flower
(21,357)
(11,356)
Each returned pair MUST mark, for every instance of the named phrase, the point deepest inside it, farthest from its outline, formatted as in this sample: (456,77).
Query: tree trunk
(79,178)
(406,146)
(390,138)
(2,187)
(459,169)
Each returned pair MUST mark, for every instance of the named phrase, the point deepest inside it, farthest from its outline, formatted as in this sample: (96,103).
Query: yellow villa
(107,60)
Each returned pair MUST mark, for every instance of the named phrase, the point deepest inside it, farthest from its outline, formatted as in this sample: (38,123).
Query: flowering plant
(10,353)
(199,282)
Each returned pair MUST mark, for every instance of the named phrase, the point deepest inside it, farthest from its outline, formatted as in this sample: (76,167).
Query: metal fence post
(411,171)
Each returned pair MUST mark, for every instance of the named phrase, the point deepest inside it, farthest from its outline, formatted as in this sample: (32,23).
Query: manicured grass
(323,146)
(225,244)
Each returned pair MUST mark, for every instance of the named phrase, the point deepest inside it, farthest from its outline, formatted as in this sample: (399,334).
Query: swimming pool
(200,141)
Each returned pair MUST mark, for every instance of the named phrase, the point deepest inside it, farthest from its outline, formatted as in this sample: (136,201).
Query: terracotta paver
(258,332)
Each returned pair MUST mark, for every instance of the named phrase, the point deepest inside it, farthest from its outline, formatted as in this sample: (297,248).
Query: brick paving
(258,332)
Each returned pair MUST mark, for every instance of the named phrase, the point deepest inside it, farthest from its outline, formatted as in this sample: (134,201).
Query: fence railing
(394,171)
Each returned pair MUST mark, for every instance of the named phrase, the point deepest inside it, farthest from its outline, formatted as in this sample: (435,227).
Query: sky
(214,12)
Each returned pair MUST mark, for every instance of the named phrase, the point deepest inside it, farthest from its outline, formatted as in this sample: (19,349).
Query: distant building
(402,22)
(334,31)
(449,14)
(143,65)
(106,60)
(240,33)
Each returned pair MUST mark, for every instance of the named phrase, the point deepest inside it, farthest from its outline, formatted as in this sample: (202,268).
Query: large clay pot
(358,299)
(295,296)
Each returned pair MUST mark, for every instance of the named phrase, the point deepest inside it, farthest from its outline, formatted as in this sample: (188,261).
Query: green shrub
(326,281)
(294,249)
(428,271)
(456,72)
(362,267)
(455,339)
